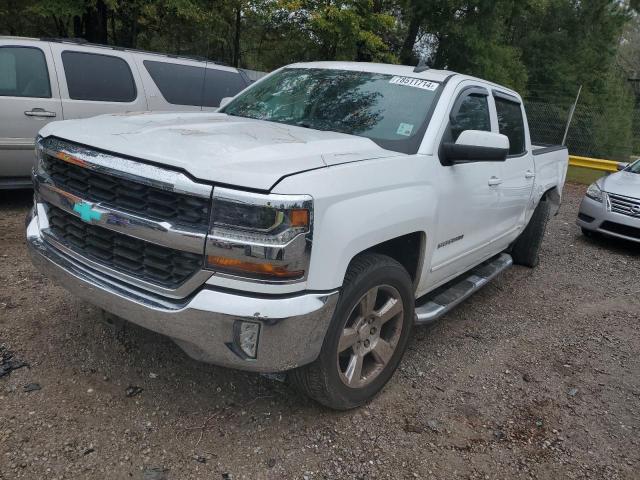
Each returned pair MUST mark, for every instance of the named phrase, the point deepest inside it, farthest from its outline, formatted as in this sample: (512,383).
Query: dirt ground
(536,376)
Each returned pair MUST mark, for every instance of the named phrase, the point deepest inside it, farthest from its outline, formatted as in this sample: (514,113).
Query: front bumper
(595,216)
(292,328)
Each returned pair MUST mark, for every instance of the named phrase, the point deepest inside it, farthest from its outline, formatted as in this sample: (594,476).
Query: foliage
(542,48)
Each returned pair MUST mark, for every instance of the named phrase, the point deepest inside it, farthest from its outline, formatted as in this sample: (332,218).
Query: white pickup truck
(306,226)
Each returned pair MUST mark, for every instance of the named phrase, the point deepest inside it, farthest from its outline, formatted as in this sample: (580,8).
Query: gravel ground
(536,376)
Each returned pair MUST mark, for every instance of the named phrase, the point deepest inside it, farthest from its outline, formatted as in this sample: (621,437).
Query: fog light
(246,337)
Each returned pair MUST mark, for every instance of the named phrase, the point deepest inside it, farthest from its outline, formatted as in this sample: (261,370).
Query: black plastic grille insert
(149,262)
(128,195)
(620,229)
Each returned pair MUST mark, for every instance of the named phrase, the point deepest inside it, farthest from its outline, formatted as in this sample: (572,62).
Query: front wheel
(367,337)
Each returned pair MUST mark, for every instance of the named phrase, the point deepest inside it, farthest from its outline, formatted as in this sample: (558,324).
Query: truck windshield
(393,111)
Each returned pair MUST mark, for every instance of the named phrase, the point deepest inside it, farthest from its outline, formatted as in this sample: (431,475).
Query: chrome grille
(624,205)
(127,195)
(146,261)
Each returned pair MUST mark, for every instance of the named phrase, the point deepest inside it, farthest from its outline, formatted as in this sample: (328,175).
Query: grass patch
(582,175)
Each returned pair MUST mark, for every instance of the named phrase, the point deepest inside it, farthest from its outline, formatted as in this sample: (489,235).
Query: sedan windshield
(634,167)
(393,111)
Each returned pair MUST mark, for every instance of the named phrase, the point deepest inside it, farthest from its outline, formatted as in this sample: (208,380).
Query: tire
(526,249)
(587,233)
(334,379)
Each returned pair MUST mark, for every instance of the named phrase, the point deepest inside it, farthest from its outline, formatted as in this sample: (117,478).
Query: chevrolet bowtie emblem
(87,212)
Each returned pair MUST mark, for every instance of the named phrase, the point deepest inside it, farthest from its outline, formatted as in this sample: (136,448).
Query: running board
(443,299)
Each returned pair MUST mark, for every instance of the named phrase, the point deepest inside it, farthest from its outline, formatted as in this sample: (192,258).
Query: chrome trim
(150,175)
(624,205)
(8,143)
(431,307)
(186,288)
(159,232)
(292,329)
(294,254)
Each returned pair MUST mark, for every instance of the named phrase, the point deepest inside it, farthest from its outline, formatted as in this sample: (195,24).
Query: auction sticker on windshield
(414,82)
(405,129)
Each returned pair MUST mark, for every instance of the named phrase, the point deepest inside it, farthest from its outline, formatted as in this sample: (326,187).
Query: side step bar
(443,299)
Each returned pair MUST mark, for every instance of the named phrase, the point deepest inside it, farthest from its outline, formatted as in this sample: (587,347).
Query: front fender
(360,205)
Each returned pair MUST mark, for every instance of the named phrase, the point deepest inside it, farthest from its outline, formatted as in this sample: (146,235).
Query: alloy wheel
(370,336)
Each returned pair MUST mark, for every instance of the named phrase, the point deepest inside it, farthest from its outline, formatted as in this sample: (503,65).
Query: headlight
(260,237)
(594,192)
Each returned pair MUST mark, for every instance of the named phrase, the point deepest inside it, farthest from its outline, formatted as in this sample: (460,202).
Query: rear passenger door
(518,171)
(95,81)
(29,99)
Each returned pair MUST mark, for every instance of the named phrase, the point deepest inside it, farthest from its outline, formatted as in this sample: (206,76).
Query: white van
(46,80)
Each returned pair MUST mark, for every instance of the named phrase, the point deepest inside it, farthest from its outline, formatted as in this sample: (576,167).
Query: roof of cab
(430,74)
(384,68)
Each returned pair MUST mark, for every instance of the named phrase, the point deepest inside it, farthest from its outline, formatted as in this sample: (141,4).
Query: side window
(511,124)
(220,84)
(472,114)
(178,84)
(23,73)
(97,77)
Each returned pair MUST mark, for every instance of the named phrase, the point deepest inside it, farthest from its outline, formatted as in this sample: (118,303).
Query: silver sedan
(611,205)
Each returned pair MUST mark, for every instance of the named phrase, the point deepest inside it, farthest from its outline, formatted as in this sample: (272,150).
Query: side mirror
(225,101)
(622,165)
(476,146)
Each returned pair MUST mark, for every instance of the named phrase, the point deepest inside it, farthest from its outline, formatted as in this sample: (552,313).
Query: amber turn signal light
(299,217)
(232,265)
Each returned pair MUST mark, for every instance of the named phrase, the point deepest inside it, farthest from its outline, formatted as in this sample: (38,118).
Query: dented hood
(216,147)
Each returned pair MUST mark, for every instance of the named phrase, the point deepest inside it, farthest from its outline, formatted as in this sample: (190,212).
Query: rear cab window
(511,123)
(23,73)
(190,85)
(98,77)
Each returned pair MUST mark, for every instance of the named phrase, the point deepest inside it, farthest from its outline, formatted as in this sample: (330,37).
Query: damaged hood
(216,147)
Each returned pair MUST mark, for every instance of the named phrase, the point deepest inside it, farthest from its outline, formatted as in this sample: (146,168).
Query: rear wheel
(526,249)
(367,337)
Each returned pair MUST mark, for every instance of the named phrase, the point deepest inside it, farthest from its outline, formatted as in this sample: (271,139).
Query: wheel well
(553,197)
(406,250)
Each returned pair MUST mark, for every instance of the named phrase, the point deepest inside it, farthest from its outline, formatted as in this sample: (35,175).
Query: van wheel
(367,336)
(526,249)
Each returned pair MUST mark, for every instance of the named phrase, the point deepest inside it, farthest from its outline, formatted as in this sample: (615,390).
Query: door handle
(529,174)
(39,112)
(494,181)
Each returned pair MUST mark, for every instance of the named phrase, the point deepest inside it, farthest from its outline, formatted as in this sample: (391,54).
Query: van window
(23,73)
(183,84)
(473,114)
(511,124)
(98,77)
(220,84)
(178,84)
